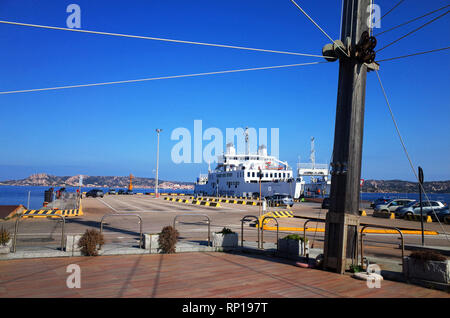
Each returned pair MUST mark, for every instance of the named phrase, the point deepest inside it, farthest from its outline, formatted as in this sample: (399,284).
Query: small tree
(4,236)
(225,231)
(89,242)
(168,239)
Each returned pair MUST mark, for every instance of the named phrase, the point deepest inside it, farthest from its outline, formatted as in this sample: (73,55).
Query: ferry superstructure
(247,175)
(319,182)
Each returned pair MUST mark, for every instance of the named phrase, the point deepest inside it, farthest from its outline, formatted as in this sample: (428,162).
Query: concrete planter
(5,249)
(151,242)
(292,247)
(435,271)
(225,240)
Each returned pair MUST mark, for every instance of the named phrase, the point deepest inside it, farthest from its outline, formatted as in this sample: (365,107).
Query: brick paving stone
(187,275)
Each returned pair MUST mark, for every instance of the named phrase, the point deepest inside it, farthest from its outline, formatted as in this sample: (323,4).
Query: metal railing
(246,218)
(304,232)
(194,214)
(382,227)
(16,229)
(262,230)
(124,214)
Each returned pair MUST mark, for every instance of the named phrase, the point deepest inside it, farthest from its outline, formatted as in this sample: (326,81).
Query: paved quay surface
(189,275)
(156,213)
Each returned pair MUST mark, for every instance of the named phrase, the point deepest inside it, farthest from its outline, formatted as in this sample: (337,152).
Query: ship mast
(247,149)
(313,154)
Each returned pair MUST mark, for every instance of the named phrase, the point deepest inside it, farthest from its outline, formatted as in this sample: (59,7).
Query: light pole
(157,163)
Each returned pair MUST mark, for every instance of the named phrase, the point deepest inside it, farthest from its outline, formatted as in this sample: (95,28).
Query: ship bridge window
(253,174)
(248,174)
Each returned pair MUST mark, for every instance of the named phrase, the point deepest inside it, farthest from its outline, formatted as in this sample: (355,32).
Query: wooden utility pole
(342,221)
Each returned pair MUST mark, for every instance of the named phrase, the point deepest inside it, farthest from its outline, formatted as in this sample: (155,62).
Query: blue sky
(110,130)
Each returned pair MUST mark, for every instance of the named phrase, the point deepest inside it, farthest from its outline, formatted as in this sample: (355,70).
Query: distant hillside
(399,186)
(43,179)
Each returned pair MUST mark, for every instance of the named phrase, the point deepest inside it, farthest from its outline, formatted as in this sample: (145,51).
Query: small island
(43,179)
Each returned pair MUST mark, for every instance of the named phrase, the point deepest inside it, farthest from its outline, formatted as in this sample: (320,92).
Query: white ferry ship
(246,175)
(313,179)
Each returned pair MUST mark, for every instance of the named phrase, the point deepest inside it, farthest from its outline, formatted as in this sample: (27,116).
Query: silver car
(414,209)
(280,199)
(392,205)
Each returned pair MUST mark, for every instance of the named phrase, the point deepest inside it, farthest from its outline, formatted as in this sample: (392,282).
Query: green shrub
(426,255)
(4,236)
(295,237)
(91,242)
(168,239)
(225,230)
(356,268)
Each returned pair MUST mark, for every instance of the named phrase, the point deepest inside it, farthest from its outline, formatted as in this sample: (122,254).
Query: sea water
(32,197)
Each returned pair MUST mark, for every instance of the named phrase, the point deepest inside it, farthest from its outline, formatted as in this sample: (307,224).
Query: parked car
(392,205)
(121,191)
(112,191)
(379,201)
(281,199)
(129,192)
(326,203)
(94,193)
(414,208)
(440,214)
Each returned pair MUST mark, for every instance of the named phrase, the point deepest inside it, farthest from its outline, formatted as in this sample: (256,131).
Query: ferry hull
(248,189)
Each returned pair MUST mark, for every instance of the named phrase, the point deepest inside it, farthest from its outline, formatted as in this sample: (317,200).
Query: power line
(392,9)
(405,150)
(157,78)
(415,30)
(314,22)
(415,19)
(413,54)
(157,39)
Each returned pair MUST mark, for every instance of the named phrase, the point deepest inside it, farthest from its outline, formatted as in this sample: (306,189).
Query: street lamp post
(157,163)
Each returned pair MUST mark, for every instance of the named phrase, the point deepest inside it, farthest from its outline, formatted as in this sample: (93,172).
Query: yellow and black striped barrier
(39,213)
(50,213)
(276,214)
(72,212)
(205,203)
(231,200)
